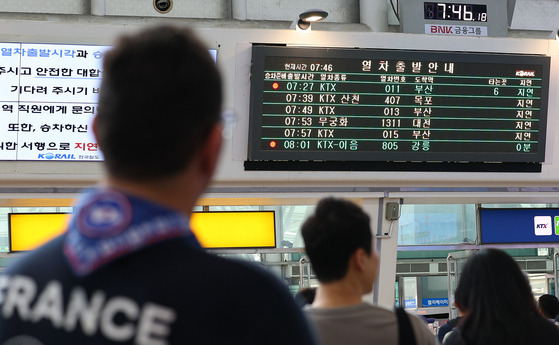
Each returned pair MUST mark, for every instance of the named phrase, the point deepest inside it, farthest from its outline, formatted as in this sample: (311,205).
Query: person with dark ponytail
(498,305)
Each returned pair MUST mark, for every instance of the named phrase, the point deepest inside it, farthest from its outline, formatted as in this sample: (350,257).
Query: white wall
(234,60)
(536,15)
(42,6)
(234,185)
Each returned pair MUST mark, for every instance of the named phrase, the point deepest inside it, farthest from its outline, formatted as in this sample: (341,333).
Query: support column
(98,7)
(239,9)
(386,245)
(374,13)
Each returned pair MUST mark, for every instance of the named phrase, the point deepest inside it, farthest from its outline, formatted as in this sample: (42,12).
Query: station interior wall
(232,30)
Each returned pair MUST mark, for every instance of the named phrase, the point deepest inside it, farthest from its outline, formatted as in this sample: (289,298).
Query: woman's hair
(497,300)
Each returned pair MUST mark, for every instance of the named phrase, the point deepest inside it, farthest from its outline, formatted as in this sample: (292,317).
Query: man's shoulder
(186,259)
(44,257)
(170,258)
(360,310)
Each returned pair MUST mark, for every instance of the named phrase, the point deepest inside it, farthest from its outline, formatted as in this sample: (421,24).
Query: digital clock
(458,12)
(476,18)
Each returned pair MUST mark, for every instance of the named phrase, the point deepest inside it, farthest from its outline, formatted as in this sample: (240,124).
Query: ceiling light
(309,16)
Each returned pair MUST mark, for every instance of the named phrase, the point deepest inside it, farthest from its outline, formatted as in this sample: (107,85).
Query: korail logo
(542,225)
(56,156)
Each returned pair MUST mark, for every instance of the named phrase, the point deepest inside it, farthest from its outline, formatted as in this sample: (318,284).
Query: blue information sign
(410,303)
(434,302)
(527,225)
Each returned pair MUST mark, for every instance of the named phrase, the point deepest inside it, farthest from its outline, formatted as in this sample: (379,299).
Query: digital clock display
(458,12)
(364,105)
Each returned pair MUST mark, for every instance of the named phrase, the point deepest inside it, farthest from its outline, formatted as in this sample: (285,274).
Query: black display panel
(450,11)
(366,105)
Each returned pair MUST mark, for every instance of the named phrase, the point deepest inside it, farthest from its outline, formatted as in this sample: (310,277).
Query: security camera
(163,6)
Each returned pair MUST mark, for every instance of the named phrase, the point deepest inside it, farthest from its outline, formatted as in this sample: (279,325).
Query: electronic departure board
(365,105)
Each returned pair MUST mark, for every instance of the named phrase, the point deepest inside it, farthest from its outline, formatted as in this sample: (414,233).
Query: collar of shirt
(109,224)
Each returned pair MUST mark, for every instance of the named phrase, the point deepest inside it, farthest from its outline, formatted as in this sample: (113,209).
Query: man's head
(548,306)
(160,99)
(335,235)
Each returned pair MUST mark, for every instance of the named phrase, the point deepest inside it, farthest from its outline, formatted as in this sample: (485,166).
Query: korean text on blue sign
(434,302)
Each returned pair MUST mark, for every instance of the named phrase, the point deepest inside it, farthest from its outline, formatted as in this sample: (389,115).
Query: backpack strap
(406,335)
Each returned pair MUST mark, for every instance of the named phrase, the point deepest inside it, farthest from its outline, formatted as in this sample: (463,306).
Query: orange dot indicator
(275,85)
(273,144)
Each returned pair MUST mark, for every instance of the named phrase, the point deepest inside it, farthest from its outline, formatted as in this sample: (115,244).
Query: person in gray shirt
(339,244)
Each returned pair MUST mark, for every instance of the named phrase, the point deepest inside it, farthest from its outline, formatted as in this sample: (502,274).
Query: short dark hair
(498,300)
(549,305)
(305,296)
(160,96)
(332,234)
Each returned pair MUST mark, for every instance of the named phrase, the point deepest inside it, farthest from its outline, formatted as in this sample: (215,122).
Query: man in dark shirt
(449,326)
(129,270)
(548,306)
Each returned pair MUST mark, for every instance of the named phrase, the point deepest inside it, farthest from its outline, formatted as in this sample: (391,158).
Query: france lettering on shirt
(147,323)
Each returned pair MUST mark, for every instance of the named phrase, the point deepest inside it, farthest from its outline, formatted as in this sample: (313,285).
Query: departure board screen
(330,104)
